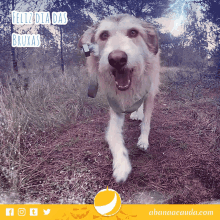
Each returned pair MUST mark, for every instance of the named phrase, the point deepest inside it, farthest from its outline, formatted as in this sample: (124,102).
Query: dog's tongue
(122,79)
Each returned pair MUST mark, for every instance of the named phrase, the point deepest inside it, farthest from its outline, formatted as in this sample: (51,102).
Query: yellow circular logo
(107,202)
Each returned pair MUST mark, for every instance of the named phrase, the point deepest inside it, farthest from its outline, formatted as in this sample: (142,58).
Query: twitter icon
(46,212)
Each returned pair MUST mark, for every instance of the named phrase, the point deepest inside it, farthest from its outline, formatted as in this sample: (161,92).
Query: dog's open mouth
(122,78)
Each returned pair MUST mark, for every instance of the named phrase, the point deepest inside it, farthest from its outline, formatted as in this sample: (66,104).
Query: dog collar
(116,106)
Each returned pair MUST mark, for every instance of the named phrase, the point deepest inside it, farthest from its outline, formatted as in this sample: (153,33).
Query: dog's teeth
(122,87)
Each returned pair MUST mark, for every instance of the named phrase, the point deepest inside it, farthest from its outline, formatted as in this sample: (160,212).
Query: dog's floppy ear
(88,37)
(151,38)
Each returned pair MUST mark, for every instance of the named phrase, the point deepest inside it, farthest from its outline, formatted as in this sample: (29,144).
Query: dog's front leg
(139,114)
(114,137)
(143,142)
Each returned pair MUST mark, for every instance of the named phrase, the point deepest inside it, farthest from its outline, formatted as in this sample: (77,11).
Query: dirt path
(182,164)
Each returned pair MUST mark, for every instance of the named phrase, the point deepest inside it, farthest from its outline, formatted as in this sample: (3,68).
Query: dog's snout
(117,59)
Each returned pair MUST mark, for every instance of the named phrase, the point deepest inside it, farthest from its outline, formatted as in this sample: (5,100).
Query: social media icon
(21,212)
(9,212)
(46,212)
(33,212)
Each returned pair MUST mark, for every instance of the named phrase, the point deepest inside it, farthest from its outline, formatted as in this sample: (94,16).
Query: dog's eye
(132,33)
(104,35)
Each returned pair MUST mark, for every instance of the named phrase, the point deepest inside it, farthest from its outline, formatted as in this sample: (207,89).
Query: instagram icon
(21,212)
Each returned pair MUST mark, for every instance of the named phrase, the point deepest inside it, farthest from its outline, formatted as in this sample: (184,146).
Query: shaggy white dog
(125,64)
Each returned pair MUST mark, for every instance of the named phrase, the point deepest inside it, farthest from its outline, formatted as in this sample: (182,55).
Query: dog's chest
(128,101)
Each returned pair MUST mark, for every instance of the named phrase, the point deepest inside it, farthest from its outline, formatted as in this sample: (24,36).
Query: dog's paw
(136,116)
(143,143)
(121,169)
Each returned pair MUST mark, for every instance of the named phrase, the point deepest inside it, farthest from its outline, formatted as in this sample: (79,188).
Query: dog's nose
(117,59)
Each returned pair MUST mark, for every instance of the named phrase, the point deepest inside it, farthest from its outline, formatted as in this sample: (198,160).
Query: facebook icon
(9,212)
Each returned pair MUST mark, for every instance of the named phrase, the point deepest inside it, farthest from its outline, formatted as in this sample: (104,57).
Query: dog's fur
(137,39)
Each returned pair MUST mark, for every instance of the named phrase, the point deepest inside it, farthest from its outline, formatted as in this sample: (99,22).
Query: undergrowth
(37,106)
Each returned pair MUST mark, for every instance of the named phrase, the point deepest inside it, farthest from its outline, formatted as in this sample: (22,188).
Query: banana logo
(107,202)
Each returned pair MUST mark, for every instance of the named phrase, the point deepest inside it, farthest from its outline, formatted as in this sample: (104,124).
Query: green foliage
(172,49)
(211,10)
(142,9)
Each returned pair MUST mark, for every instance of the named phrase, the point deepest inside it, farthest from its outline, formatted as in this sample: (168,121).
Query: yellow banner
(136,212)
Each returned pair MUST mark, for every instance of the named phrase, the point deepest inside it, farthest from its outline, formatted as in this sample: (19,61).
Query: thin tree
(5,8)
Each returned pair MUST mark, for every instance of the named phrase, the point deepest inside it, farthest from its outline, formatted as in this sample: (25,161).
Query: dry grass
(187,83)
(46,106)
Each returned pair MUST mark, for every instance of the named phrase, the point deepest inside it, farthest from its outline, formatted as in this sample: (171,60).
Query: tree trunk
(218,46)
(15,64)
(61,49)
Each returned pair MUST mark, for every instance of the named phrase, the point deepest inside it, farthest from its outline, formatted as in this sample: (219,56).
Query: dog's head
(123,46)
